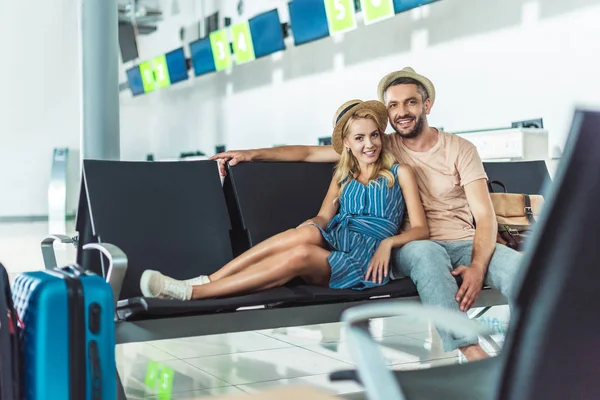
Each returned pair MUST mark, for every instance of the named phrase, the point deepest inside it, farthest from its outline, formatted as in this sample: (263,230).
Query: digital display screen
(176,65)
(202,56)
(267,35)
(134,78)
(309,20)
(405,5)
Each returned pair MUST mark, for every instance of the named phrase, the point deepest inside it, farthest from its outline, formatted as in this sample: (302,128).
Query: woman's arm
(418,222)
(328,208)
(379,265)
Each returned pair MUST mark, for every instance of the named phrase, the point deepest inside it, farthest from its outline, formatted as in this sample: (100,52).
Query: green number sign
(242,43)
(161,72)
(159,379)
(220,49)
(341,15)
(147,76)
(377,10)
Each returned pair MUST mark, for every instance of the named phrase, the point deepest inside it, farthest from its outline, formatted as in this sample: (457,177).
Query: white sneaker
(199,280)
(155,284)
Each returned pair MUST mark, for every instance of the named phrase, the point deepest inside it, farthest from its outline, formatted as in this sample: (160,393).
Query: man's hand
(471,285)
(232,157)
(379,265)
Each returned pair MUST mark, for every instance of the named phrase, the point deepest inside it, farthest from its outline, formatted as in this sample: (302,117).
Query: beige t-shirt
(441,173)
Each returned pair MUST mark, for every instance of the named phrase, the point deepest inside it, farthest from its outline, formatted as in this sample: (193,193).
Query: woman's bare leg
(306,261)
(272,246)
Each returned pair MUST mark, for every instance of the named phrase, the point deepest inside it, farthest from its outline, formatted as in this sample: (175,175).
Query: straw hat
(406,72)
(346,110)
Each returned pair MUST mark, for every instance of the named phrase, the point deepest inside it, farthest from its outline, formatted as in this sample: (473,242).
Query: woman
(348,244)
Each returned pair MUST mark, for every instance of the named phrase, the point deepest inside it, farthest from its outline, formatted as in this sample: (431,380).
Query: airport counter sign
(220,49)
(341,15)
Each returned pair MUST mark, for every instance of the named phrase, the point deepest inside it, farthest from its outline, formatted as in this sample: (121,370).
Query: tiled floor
(246,362)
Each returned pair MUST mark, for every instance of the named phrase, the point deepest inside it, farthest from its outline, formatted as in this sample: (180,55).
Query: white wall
(39,98)
(491,62)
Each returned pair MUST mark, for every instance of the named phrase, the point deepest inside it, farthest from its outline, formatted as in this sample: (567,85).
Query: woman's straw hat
(349,108)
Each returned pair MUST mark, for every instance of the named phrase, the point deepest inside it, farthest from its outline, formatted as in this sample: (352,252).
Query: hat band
(345,110)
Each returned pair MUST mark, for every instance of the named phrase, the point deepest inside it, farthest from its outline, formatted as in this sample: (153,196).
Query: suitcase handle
(73,269)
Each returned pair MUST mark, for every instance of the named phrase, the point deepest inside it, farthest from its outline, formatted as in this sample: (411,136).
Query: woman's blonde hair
(348,168)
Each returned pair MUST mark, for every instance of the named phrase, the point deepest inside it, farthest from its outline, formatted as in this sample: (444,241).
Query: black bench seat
(177,218)
(166,216)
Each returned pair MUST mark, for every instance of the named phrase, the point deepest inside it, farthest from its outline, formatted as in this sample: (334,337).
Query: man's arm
(486,226)
(474,181)
(282,153)
(484,243)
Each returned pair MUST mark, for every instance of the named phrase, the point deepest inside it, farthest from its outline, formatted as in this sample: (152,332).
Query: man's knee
(419,258)
(504,269)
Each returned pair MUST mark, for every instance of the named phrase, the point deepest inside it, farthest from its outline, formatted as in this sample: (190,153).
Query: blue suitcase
(68,336)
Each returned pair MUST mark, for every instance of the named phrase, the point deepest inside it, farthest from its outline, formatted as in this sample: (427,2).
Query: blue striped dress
(367,215)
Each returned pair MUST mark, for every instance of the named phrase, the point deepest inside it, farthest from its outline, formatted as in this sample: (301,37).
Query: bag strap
(491,187)
(528,210)
(9,366)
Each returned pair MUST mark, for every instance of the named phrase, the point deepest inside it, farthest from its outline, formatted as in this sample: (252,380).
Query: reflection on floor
(237,363)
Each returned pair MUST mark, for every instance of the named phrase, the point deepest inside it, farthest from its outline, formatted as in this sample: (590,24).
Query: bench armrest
(377,378)
(48,253)
(117,266)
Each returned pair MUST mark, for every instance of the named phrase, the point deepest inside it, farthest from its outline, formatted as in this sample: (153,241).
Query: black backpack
(10,328)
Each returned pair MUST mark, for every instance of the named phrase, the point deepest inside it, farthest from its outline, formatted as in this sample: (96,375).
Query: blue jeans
(428,263)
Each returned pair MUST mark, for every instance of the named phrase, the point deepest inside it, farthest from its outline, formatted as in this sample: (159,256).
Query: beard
(414,132)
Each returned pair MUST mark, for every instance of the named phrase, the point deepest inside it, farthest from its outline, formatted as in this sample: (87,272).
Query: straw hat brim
(378,109)
(405,73)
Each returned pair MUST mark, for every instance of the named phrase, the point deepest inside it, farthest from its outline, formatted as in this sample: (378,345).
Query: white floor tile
(138,382)
(203,394)
(134,353)
(395,350)
(305,335)
(267,365)
(212,345)
(329,333)
(320,382)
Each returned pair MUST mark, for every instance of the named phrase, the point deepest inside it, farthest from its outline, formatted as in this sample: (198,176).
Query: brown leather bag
(516,214)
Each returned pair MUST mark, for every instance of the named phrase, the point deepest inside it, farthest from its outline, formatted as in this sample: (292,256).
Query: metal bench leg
(480,313)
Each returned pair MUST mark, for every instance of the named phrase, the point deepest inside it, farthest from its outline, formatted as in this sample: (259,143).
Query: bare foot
(474,352)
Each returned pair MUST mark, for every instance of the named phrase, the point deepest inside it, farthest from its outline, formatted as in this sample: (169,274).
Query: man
(453,188)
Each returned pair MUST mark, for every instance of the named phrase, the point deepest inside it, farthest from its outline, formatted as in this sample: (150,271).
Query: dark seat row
(177,217)
(174,217)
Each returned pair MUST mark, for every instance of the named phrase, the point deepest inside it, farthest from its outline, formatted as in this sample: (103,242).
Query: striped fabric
(367,215)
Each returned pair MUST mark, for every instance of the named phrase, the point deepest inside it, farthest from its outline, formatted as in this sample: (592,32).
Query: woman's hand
(379,265)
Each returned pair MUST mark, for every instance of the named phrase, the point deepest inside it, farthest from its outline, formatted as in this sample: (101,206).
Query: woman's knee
(308,234)
(300,255)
